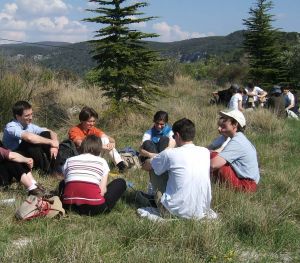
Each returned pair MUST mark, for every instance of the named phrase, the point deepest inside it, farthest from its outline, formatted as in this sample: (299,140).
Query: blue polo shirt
(242,156)
(13,132)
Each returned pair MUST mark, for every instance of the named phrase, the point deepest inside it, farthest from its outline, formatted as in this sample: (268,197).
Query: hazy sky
(61,20)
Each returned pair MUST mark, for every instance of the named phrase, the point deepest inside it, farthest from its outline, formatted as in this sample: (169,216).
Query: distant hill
(77,57)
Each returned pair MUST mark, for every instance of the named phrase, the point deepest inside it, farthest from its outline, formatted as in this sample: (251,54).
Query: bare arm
(240,105)
(103,184)
(18,158)
(217,162)
(147,165)
(172,143)
(36,139)
(145,153)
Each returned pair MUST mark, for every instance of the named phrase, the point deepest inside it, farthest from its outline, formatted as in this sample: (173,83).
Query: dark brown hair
(87,113)
(91,144)
(19,107)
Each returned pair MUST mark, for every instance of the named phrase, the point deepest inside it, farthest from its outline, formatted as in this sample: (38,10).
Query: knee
(45,134)
(121,183)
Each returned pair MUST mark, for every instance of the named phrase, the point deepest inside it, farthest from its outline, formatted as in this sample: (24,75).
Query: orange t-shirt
(76,133)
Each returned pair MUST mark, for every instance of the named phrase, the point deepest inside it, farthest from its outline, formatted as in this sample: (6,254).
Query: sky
(61,20)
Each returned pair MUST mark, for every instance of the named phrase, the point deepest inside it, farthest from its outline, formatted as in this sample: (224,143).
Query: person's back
(277,105)
(188,191)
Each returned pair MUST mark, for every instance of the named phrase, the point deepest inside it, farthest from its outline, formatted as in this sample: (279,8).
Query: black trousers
(152,147)
(40,153)
(115,190)
(10,170)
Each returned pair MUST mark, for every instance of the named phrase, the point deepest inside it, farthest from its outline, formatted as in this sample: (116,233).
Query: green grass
(259,227)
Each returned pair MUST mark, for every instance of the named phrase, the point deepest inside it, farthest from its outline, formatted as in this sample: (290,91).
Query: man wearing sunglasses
(187,193)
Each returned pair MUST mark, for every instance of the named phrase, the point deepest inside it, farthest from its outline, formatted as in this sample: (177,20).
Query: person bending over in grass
(85,188)
(236,165)
(156,139)
(187,193)
(30,140)
(77,134)
(15,165)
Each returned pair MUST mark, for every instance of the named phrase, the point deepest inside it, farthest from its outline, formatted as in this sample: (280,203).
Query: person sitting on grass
(15,166)
(156,139)
(21,135)
(84,189)
(236,101)
(236,165)
(77,134)
(221,141)
(187,192)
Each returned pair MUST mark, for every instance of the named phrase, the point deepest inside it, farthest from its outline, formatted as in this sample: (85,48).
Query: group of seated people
(251,97)
(180,172)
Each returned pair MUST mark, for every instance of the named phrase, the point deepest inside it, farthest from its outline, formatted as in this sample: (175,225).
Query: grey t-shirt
(241,155)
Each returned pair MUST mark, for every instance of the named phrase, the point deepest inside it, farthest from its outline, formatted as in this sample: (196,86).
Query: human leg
(115,189)
(163,143)
(228,176)
(159,182)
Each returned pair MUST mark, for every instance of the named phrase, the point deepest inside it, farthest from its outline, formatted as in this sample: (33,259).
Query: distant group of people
(280,99)
(180,172)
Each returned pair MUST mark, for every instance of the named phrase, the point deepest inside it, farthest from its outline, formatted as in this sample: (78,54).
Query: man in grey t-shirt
(237,164)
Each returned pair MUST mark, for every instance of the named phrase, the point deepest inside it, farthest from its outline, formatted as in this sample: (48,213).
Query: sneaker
(37,192)
(145,199)
(40,191)
(122,167)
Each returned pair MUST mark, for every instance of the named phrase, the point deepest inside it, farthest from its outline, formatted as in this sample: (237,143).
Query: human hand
(29,162)
(53,152)
(110,146)
(54,144)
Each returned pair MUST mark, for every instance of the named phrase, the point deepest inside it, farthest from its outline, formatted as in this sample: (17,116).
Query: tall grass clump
(257,227)
(11,90)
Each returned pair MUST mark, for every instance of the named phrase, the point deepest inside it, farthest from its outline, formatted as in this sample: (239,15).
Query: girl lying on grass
(85,188)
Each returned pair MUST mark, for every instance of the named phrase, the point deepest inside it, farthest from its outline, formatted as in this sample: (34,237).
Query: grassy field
(260,227)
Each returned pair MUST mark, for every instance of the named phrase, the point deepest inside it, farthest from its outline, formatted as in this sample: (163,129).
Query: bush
(12,90)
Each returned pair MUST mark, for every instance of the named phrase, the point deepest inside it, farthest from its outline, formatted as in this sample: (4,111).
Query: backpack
(131,161)
(67,149)
(34,207)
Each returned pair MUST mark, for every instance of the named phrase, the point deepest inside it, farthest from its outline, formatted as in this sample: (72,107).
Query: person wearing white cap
(236,165)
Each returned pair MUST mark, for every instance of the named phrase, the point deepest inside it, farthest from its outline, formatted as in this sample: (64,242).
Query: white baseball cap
(235,114)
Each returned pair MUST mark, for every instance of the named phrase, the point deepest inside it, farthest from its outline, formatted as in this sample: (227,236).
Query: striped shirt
(83,173)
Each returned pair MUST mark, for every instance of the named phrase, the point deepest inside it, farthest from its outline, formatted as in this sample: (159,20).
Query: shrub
(11,90)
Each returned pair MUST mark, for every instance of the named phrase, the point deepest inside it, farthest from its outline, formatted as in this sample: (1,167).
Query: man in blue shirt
(32,141)
(236,165)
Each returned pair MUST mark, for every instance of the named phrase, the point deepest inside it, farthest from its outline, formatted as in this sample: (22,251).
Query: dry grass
(260,227)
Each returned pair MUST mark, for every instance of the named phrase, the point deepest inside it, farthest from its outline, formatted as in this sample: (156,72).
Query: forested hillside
(77,57)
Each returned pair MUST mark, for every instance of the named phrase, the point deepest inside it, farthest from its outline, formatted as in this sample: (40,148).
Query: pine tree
(124,63)
(261,46)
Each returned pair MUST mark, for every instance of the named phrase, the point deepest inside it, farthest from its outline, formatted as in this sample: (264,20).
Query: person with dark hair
(85,189)
(276,102)
(156,139)
(21,135)
(16,166)
(187,192)
(236,165)
(290,102)
(256,95)
(77,134)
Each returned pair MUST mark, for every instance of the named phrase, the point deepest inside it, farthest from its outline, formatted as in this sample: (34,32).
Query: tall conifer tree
(261,45)
(124,62)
